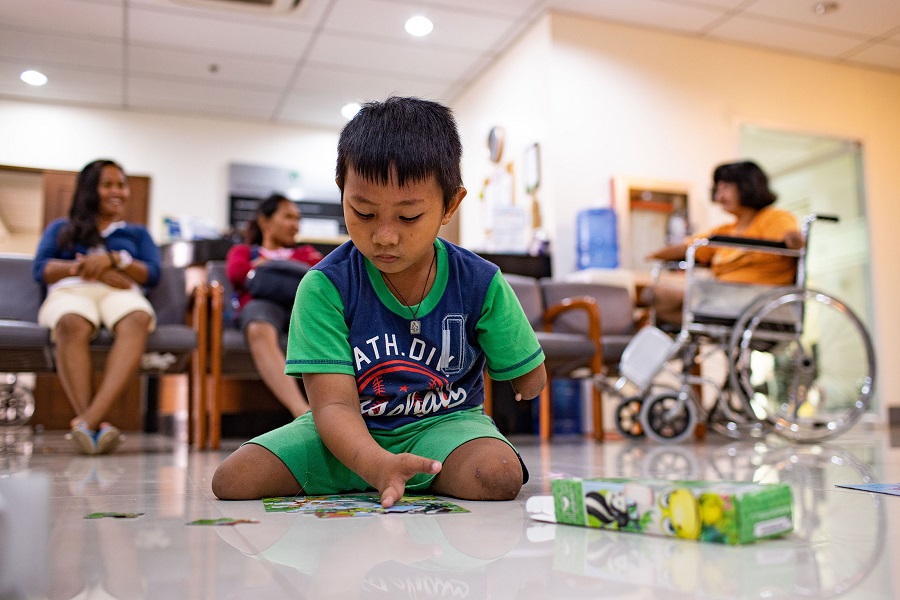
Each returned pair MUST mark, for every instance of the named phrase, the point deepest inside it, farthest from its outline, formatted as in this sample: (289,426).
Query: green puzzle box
(727,512)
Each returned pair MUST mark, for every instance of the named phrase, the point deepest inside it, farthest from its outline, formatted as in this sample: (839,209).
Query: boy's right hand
(397,470)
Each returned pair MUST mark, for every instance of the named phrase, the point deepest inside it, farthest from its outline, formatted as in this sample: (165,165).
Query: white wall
(514,96)
(187,158)
(633,103)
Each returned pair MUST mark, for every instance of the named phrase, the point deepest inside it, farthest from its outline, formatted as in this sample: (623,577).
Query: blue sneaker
(108,439)
(83,439)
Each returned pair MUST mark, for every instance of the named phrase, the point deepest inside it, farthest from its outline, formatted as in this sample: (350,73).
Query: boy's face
(393,226)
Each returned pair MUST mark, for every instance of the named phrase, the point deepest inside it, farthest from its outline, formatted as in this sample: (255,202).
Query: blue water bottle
(597,239)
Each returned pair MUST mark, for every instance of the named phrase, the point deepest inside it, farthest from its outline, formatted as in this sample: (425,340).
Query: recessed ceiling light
(824,8)
(419,26)
(33,77)
(349,110)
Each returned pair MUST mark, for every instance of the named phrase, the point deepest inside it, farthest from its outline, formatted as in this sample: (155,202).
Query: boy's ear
(454,204)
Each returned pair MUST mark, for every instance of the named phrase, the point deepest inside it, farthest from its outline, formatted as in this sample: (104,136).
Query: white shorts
(97,302)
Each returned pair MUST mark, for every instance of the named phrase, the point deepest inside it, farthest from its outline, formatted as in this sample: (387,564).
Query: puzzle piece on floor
(114,515)
(222,521)
(892,489)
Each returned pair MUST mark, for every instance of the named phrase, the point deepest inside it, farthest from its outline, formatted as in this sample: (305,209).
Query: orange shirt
(741,266)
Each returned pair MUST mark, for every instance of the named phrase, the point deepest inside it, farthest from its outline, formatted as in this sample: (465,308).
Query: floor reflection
(840,547)
(417,556)
(838,538)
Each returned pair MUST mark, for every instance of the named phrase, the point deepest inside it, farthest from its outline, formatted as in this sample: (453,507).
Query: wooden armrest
(585,303)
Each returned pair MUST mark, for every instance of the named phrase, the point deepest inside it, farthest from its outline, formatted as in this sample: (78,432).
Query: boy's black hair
(751,181)
(82,225)
(418,137)
(252,233)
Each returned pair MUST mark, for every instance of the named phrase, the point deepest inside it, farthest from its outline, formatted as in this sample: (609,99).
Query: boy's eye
(411,219)
(363,216)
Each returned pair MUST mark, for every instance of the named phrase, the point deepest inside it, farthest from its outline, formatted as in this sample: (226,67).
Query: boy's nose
(385,236)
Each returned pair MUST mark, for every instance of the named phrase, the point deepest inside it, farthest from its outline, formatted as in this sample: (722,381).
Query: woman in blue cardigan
(96,268)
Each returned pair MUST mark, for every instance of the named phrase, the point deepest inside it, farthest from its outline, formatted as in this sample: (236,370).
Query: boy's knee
(227,483)
(499,479)
(507,478)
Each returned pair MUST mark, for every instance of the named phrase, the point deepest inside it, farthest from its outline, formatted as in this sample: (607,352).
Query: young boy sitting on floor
(391,333)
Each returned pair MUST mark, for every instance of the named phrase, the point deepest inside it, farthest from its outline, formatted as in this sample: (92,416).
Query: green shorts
(318,472)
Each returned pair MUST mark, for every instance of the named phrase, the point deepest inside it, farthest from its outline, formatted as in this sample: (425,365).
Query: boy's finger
(388,498)
(413,463)
(428,465)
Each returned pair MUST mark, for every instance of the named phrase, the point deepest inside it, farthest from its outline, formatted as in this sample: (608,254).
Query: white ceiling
(301,67)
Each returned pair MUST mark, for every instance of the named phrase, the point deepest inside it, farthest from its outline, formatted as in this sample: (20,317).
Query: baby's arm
(335,408)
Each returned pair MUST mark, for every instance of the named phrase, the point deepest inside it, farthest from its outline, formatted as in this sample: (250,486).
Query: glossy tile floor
(845,543)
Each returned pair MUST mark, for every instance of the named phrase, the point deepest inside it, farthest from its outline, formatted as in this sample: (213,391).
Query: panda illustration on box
(612,508)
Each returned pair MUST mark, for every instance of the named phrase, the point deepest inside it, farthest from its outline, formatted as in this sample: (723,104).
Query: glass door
(819,174)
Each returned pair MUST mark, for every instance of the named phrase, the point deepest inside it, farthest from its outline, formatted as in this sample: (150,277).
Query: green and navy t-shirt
(346,320)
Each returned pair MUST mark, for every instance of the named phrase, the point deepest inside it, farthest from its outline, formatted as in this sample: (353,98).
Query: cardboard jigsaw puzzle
(359,505)
(711,511)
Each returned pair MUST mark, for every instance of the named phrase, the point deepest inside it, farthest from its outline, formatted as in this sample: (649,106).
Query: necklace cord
(419,305)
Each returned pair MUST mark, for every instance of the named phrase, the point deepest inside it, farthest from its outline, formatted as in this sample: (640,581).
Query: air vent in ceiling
(256,6)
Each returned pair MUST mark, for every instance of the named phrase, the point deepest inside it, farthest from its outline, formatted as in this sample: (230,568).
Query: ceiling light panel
(193,98)
(658,14)
(232,35)
(61,49)
(458,29)
(809,42)
(425,61)
(242,70)
(862,17)
(67,85)
(103,20)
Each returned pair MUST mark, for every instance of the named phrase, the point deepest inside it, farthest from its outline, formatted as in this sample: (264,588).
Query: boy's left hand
(400,468)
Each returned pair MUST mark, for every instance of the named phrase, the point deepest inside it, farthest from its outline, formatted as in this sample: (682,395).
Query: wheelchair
(16,399)
(797,361)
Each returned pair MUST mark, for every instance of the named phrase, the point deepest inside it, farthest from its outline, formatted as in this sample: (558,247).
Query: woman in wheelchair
(796,359)
(742,189)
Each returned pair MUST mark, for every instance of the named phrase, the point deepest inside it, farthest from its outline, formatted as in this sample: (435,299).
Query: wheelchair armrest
(769,246)
(742,241)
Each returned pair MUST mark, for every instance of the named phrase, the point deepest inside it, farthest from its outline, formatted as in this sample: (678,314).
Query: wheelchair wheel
(16,405)
(669,416)
(730,417)
(628,418)
(672,462)
(804,362)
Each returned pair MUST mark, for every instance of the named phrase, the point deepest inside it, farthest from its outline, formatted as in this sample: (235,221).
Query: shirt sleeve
(46,250)
(318,338)
(148,253)
(704,254)
(237,265)
(773,224)
(510,346)
(307,254)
